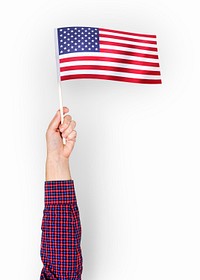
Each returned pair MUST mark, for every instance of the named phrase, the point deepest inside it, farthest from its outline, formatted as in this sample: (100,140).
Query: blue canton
(78,39)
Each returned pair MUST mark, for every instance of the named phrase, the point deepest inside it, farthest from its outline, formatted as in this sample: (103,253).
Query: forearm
(57,169)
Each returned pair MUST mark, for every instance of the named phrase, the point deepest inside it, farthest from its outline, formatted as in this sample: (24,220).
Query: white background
(137,157)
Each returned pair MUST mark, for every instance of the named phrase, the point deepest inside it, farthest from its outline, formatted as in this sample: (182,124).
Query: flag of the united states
(99,53)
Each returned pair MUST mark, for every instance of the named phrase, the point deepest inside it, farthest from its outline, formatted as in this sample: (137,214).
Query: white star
(65,37)
(82,49)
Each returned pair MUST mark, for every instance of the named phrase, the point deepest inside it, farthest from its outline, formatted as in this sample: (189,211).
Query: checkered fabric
(61,233)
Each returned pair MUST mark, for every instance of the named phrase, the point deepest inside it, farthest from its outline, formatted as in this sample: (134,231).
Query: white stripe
(127,49)
(113,55)
(107,63)
(128,36)
(128,42)
(112,73)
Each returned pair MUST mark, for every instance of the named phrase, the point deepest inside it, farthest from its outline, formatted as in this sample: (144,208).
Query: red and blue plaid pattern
(61,233)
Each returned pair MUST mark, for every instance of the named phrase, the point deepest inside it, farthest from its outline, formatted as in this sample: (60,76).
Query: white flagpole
(61,107)
(59,83)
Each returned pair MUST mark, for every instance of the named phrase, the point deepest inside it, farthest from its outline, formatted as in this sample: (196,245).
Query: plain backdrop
(137,157)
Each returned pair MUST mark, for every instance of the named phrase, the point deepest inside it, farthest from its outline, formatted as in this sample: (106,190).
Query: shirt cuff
(59,192)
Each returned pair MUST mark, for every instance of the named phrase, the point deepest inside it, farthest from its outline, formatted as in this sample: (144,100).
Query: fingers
(71,141)
(72,135)
(55,122)
(67,129)
(66,122)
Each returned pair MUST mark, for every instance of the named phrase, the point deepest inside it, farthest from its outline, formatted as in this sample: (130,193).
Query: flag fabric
(100,53)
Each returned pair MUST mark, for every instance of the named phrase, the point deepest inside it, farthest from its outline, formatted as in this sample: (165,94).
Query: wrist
(57,168)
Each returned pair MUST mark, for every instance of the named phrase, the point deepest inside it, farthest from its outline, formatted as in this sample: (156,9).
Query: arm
(61,227)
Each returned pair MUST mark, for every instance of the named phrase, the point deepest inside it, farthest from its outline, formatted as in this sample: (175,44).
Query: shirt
(60,248)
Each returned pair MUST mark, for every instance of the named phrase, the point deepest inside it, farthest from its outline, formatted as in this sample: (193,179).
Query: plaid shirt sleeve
(61,233)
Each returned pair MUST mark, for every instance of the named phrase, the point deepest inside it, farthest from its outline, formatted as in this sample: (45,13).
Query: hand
(54,140)
(57,163)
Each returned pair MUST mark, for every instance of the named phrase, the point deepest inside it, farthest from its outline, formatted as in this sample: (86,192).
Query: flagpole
(58,79)
(61,107)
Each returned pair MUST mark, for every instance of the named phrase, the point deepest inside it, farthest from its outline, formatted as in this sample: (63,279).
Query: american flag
(100,53)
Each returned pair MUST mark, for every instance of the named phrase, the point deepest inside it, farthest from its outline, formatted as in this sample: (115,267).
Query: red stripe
(109,68)
(127,33)
(107,77)
(127,39)
(128,46)
(109,59)
(154,56)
